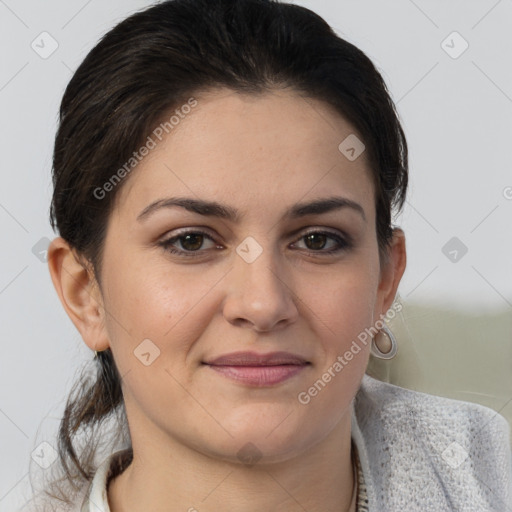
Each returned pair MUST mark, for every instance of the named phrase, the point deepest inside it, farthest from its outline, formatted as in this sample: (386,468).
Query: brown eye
(191,243)
(317,241)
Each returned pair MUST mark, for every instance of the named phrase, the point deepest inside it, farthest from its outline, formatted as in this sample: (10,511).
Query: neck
(179,478)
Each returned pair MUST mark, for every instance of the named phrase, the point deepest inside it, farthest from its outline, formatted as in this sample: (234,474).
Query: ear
(391,272)
(79,293)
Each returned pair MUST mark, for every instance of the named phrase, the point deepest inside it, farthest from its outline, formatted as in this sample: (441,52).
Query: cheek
(169,308)
(341,302)
(341,309)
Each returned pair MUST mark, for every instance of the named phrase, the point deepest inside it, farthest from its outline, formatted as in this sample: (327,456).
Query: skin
(260,155)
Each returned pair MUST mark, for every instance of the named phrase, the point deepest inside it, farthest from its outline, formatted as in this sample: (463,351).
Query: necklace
(354,471)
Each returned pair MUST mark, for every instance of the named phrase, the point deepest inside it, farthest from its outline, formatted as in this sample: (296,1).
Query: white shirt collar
(96,499)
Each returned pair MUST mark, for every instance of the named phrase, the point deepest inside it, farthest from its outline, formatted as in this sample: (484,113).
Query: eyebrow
(215,209)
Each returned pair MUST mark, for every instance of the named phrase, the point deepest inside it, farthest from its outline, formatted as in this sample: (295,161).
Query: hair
(152,63)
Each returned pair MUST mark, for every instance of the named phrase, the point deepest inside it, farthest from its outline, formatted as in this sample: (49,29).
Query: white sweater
(425,453)
(418,453)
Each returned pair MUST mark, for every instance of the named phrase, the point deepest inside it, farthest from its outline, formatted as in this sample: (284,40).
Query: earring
(391,352)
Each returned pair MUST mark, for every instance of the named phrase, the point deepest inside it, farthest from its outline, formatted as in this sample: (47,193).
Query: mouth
(255,359)
(258,370)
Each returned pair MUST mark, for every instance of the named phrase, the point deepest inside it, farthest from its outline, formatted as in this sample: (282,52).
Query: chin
(258,446)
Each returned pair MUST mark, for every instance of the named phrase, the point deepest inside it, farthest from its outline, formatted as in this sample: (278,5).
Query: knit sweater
(421,452)
(415,452)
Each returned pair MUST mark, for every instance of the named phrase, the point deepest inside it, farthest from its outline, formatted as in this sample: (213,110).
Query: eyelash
(344,244)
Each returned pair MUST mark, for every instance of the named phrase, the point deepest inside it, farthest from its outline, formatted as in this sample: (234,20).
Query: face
(182,286)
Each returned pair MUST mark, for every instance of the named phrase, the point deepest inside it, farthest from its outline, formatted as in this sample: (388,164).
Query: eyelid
(322,229)
(294,234)
(187,231)
(343,240)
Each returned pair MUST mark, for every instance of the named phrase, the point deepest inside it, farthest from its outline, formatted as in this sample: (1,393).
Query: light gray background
(456,112)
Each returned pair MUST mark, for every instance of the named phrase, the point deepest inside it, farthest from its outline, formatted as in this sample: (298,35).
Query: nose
(259,293)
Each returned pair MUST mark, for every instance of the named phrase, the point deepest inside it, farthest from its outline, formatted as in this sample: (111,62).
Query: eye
(315,242)
(191,241)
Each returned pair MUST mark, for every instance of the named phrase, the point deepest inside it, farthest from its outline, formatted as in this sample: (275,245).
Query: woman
(225,173)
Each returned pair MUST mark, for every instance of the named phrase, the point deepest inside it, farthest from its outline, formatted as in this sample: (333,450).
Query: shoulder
(422,450)
(44,502)
(390,401)
(83,496)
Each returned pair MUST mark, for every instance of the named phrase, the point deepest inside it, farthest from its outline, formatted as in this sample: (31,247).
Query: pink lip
(258,370)
(255,359)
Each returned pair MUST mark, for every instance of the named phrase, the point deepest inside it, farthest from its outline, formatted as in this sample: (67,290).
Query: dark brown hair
(153,62)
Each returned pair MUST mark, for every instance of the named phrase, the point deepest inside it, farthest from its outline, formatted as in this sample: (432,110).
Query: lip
(258,370)
(255,359)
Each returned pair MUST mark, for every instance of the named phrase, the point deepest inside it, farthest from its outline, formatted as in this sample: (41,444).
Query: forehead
(254,152)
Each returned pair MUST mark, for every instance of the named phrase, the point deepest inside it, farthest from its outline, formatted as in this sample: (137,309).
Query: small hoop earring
(394,345)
